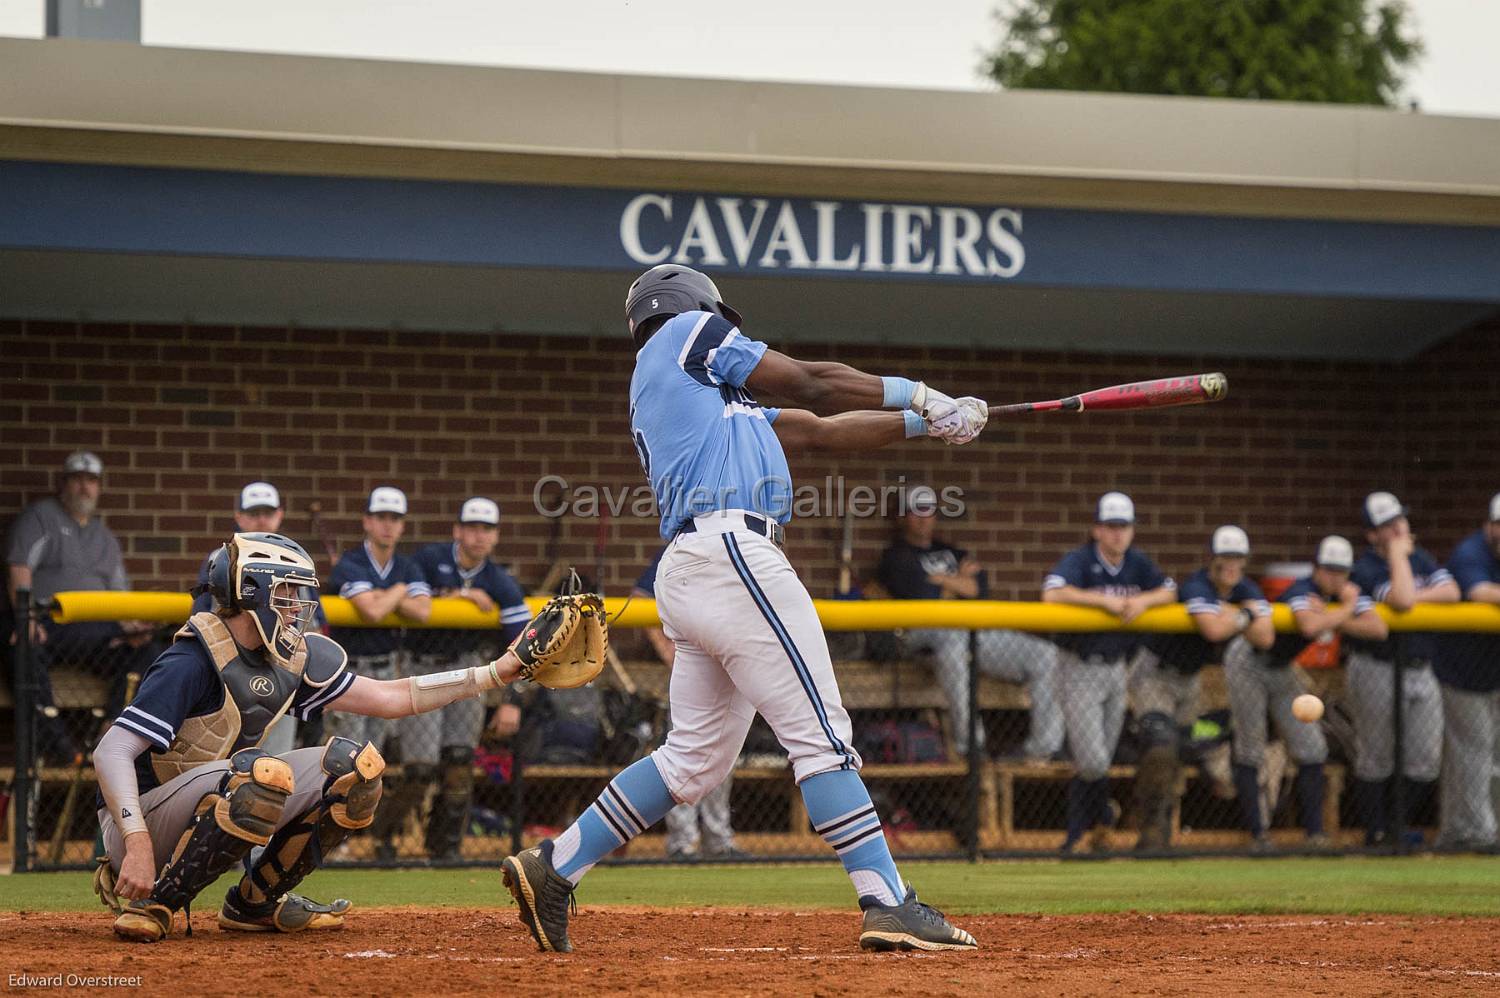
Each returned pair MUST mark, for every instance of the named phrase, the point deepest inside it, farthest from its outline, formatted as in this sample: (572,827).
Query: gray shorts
(170,807)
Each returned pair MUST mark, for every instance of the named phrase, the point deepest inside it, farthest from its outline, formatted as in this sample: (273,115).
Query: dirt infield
(722,951)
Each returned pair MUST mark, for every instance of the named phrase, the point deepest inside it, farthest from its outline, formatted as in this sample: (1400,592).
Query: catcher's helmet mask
(272,578)
(667,290)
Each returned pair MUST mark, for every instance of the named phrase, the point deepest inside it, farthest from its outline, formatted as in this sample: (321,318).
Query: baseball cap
(1115,507)
(259,495)
(1381,508)
(921,500)
(1231,541)
(386,499)
(479,510)
(1335,552)
(1495,508)
(82,462)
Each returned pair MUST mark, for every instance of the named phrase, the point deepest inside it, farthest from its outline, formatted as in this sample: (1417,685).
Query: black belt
(769,529)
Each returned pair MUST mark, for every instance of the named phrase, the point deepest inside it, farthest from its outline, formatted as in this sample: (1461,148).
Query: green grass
(1430,885)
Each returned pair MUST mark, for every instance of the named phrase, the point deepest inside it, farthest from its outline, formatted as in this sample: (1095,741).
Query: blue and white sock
(840,809)
(635,800)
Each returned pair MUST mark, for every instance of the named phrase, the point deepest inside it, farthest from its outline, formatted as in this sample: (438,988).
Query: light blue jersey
(705,443)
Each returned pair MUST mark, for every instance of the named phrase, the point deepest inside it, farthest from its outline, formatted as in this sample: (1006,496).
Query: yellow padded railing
(836,615)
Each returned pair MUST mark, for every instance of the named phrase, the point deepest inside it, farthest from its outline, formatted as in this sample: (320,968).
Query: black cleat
(909,925)
(543,895)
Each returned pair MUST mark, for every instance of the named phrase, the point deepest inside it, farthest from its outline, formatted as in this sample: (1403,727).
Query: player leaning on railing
(186,791)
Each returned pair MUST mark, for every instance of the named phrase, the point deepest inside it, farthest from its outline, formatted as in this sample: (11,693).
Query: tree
(1342,51)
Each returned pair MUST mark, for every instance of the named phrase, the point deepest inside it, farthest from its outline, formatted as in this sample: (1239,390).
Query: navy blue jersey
(904,569)
(440,567)
(1373,576)
(1471,661)
(1187,653)
(647,582)
(204,602)
(357,573)
(1084,568)
(1299,596)
(183,683)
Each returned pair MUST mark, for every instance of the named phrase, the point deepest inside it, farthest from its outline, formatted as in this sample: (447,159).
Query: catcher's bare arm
(419,694)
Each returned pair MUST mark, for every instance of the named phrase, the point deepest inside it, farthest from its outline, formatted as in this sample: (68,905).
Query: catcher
(185,791)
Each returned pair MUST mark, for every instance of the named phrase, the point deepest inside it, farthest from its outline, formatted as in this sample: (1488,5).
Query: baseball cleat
(289,913)
(543,895)
(144,922)
(909,925)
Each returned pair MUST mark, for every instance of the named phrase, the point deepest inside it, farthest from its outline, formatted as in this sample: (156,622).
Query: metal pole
(1398,742)
(26,690)
(976,754)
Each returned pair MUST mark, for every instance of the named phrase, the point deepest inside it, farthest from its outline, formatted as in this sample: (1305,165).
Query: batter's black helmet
(669,289)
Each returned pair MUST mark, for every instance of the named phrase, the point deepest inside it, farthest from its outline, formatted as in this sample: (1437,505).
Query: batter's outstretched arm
(826,386)
(800,430)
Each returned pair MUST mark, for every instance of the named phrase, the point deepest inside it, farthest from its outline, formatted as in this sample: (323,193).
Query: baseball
(1307,708)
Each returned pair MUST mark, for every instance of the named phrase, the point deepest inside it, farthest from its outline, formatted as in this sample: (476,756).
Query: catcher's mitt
(566,644)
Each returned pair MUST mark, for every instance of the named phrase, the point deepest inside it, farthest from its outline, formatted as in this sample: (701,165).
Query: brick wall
(182,417)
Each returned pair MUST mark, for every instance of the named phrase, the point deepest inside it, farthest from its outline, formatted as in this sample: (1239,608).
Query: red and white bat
(1188,389)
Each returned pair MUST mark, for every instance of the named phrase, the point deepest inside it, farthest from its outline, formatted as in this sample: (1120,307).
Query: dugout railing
(942,698)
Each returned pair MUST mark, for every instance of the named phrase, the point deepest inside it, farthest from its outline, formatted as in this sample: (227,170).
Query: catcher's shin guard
(242,812)
(450,808)
(261,901)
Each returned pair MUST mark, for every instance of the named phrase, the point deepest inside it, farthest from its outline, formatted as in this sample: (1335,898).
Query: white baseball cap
(259,495)
(479,510)
(82,462)
(1495,508)
(1115,507)
(386,499)
(1335,552)
(921,500)
(1381,508)
(1230,541)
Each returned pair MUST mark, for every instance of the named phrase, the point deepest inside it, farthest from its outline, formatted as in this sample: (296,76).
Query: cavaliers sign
(829,236)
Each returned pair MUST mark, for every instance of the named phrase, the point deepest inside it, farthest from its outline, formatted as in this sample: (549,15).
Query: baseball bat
(1187,389)
(315,515)
(846,555)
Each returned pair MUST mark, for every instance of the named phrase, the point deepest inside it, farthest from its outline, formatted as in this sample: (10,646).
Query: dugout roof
(154,184)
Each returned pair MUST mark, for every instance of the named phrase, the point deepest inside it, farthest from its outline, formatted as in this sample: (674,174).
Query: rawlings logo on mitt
(566,644)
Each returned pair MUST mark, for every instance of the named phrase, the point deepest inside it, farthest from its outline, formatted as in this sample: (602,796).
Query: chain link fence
(989,742)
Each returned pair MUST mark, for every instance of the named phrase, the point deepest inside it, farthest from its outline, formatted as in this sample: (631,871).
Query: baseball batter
(747,636)
(1394,571)
(187,791)
(1111,574)
(1164,680)
(1468,667)
(1262,681)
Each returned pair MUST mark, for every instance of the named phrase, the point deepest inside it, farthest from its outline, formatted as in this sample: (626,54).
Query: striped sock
(635,800)
(840,809)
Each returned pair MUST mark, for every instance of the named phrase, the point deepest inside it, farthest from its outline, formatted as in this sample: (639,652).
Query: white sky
(908,43)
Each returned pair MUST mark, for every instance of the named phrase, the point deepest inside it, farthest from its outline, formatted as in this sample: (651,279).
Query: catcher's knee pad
(351,790)
(241,813)
(354,781)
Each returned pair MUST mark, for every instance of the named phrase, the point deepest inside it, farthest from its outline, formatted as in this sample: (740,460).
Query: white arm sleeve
(114,765)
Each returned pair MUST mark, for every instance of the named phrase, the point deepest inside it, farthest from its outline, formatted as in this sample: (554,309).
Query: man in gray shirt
(59,544)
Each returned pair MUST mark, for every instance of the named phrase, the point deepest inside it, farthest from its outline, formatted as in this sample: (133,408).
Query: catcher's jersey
(704,442)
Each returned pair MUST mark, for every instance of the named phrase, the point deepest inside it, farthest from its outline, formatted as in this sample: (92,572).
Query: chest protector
(255,695)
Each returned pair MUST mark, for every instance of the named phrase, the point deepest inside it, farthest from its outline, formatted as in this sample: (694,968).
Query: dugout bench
(866,687)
